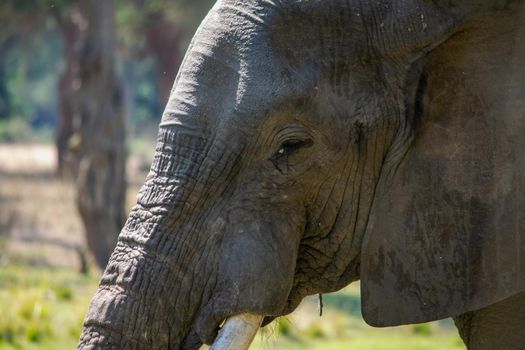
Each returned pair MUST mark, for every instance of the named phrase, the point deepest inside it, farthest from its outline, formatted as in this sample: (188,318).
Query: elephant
(308,144)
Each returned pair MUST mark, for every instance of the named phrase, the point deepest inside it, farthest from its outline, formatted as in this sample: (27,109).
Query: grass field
(42,308)
(43,297)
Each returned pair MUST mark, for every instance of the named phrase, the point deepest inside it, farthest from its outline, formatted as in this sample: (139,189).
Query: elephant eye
(290,146)
(280,159)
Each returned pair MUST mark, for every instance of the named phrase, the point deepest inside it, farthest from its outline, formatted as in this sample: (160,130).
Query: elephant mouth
(206,329)
(208,326)
(199,335)
(233,332)
(291,304)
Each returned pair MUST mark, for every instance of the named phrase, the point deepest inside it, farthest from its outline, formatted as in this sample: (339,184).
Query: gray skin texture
(309,144)
(497,326)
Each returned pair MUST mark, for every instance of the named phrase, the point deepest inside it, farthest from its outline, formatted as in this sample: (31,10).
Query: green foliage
(146,108)
(17,129)
(349,303)
(32,57)
(283,327)
(64,293)
(38,330)
(31,68)
(14,129)
(7,334)
(422,329)
(316,331)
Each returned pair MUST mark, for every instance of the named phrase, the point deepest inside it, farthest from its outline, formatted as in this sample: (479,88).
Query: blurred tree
(43,39)
(98,103)
(11,15)
(23,21)
(29,63)
(7,39)
(162,29)
(163,40)
(5,103)
(71,21)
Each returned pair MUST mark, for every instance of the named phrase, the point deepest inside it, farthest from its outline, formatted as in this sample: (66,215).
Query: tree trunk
(101,130)
(163,38)
(5,103)
(67,84)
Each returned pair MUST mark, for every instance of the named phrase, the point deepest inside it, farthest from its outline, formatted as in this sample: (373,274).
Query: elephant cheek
(257,272)
(251,279)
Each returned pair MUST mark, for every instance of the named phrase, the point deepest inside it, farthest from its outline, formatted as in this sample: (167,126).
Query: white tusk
(238,332)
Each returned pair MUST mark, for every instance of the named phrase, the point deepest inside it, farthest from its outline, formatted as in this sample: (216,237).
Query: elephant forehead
(222,79)
(235,69)
(211,89)
(229,67)
(318,28)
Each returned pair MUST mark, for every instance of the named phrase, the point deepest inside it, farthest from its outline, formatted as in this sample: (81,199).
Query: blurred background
(82,88)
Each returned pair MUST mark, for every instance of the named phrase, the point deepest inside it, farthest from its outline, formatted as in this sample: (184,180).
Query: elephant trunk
(148,297)
(180,268)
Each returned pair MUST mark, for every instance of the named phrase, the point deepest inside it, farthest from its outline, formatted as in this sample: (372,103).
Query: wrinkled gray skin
(308,144)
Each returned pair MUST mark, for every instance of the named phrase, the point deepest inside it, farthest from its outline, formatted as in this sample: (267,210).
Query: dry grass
(38,217)
(44,226)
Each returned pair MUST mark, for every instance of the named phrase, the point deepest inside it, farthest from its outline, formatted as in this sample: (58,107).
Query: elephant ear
(447,229)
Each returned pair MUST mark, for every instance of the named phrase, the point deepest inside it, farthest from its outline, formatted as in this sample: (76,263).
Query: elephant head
(308,144)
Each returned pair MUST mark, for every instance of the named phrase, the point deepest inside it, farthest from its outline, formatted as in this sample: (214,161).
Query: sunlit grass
(367,340)
(342,327)
(42,308)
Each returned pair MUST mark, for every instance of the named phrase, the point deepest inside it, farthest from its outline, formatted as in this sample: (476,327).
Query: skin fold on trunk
(238,332)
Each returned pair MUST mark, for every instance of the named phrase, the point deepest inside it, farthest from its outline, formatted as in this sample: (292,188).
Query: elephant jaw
(237,332)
